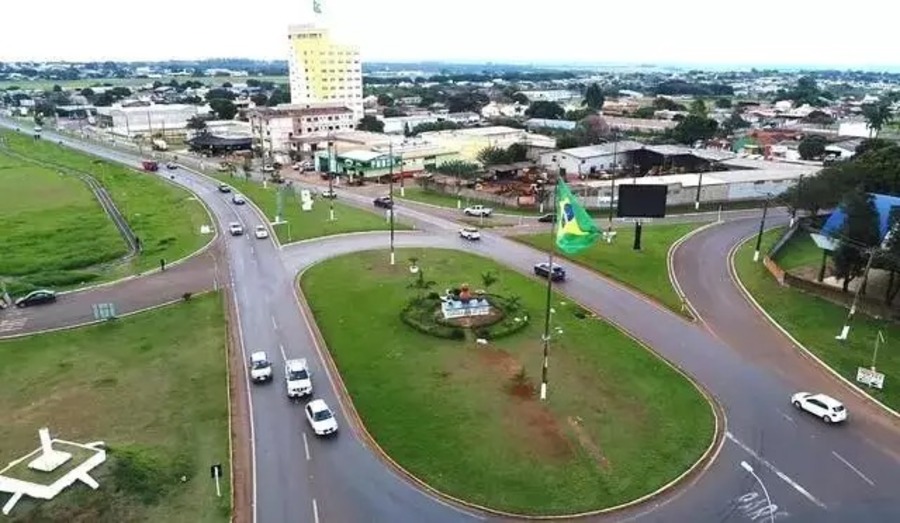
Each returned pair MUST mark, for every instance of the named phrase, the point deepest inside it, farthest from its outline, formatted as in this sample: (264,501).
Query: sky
(695,32)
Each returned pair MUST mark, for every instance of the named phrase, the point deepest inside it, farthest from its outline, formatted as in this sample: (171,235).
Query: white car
(235,228)
(820,406)
(297,378)
(320,418)
(260,367)
(478,210)
(469,233)
(261,232)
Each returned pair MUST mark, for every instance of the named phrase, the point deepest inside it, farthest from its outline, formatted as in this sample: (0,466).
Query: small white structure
(306,201)
(452,308)
(50,470)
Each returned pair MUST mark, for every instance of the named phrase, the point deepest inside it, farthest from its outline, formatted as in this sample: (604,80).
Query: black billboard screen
(642,201)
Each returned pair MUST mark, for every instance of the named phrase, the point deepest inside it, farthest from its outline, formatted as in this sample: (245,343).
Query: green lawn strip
(313,224)
(443,408)
(151,386)
(54,230)
(815,322)
(645,270)
(418,194)
(167,219)
(799,252)
(131,82)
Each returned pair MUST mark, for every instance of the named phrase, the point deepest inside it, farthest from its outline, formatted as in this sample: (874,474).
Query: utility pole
(391,191)
(331,174)
(762,226)
(846,330)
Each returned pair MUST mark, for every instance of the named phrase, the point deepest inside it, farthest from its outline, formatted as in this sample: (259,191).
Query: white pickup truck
(478,210)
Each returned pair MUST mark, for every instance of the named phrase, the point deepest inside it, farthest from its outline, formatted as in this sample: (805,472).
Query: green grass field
(152,387)
(645,270)
(312,224)
(54,228)
(167,219)
(815,322)
(799,252)
(417,194)
(132,82)
(618,423)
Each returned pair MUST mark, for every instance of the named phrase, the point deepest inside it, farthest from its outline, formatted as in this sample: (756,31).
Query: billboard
(642,201)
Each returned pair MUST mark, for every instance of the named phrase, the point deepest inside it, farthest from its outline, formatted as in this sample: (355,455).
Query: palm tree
(877,115)
(487,279)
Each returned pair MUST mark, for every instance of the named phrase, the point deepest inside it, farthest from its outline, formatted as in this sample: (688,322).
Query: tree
(517,152)
(578,114)
(391,112)
(385,100)
(545,110)
(593,97)
(219,94)
(694,128)
(872,144)
(667,104)
(645,112)
(592,130)
(442,125)
(57,88)
(818,117)
(812,147)
(468,101)
(371,124)
(567,141)
(733,123)
(278,97)
(698,108)
(460,168)
(492,155)
(488,278)
(259,99)
(877,115)
(859,234)
(224,109)
(196,123)
(723,103)
(520,98)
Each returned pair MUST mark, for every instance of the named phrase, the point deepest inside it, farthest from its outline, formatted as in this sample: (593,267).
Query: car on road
(261,232)
(224,188)
(171,166)
(320,418)
(328,194)
(469,233)
(384,202)
(478,210)
(237,199)
(556,273)
(235,228)
(821,406)
(260,367)
(297,379)
(547,218)
(38,297)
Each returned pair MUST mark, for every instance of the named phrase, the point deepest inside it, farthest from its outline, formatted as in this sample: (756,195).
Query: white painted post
(218,489)
(46,443)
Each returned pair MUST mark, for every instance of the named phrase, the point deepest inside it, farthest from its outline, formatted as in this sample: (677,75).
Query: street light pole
(771,508)
(391,191)
(846,329)
(330,181)
(797,200)
(762,226)
(699,187)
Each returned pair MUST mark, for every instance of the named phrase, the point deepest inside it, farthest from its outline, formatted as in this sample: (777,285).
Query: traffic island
(462,415)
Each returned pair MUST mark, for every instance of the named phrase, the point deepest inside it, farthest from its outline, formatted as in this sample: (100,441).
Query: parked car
(171,166)
(261,232)
(235,228)
(469,233)
(38,297)
(297,378)
(478,210)
(547,218)
(328,194)
(260,367)
(237,199)
(224,188)
(385,202)
(543,269)
(822,406)
(320,418)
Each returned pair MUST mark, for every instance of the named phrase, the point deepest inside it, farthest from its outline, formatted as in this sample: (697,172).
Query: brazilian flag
(575,230)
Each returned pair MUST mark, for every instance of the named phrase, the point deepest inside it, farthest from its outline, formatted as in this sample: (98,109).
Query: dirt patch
(531,424)
(588,444)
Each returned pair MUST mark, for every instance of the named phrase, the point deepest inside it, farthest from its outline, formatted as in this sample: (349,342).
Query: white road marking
(785,416)
(315,511)
(283,356)
(274,324)
(854,469)
(306,446)
(784,477)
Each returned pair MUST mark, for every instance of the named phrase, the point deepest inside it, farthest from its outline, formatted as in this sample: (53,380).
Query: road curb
(804,350)
(350,234)
(701,465)
(670,267)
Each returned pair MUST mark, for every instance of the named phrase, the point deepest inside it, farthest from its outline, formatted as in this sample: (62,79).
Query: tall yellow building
(323,71)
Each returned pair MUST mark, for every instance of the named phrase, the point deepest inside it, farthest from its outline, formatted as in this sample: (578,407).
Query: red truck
(150,165)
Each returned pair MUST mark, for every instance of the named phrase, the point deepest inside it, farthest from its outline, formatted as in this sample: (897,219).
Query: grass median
(618,424)
(815,322)
(54,238)
(312,224)
(152,387)
(646,270)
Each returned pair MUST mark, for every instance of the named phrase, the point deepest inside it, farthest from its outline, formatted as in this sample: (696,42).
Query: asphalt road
(812,472)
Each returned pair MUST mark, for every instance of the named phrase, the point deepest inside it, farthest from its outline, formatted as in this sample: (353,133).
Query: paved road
(342,480)
(853,468)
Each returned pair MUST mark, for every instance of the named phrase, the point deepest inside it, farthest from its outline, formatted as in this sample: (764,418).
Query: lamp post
(771,515)
(762,226)
(699,187)
(391,197)
(330,179)
(846,329)
(402,187)
(797,201)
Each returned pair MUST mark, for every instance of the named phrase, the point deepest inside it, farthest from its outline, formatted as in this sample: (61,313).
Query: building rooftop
(603,149)
(360,155)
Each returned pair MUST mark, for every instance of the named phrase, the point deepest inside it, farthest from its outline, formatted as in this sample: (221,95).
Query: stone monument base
(49,461)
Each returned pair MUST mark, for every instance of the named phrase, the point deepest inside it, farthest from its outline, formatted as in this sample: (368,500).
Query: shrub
(186,296)
(146,473)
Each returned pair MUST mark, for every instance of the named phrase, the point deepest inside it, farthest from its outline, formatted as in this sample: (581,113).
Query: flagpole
(546,337)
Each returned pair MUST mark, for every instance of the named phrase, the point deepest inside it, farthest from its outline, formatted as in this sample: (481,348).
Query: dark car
(36,298)
(556,274)
(171,166)
(224,188)
(237,199)
(547,218)
(385,202)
